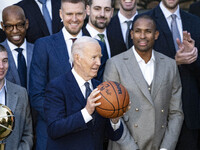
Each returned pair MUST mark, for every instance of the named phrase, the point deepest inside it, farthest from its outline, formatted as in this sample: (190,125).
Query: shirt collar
(122,19)
(79,79)
(167,13)
(139,59)
(68,36)
(4,86)
(13,47)
(93,32)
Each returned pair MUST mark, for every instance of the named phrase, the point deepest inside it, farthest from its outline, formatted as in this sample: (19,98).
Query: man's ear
(156,34)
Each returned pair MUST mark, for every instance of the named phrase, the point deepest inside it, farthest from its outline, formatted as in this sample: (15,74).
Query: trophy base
(2,146)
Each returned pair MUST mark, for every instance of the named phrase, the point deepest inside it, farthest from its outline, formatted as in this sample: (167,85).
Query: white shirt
(86,116)
(3,91)
(123,23)
(69,42)
(168,18)
(93,32)
(146,68)
(49,7)
(15,53)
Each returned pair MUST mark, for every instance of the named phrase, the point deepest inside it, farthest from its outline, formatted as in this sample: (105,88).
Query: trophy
(6,124)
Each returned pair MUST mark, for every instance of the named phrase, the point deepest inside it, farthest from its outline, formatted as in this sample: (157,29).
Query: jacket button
(136,125)
(136,109)
(162,126)
(162,111)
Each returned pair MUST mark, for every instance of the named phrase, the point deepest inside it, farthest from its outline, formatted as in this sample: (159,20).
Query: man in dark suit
(16,98)
(52,57)
(37,25)
(70,108)
(188,61)
(194,9)
(99,20)
(117,29)
(15,25)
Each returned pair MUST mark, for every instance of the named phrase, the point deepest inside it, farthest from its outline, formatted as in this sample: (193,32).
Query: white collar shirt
(93,33)
(3,91)
(123,23)
(68,40)
(146,68)
(15,53)
(168,18)
(48,4)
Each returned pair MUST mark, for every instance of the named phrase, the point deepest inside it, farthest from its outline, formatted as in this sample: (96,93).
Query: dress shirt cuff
(115,126)
(86,116)
(163,149)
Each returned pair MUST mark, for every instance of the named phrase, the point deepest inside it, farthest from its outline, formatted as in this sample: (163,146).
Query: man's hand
(91,101)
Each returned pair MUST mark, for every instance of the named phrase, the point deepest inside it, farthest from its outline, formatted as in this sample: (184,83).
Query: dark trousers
(189,139)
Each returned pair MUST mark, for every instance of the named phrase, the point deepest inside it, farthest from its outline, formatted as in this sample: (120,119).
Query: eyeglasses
(19,26)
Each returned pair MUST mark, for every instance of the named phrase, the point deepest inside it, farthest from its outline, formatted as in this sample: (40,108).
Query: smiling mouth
(16,37)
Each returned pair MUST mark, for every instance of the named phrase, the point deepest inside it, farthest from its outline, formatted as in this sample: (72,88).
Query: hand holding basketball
(114,99)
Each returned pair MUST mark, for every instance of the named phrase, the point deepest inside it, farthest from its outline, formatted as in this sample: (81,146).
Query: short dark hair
(74,1)
(2,48)
(89,2)
(144,17)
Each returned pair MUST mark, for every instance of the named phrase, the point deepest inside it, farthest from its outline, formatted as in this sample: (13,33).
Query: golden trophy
(6,124)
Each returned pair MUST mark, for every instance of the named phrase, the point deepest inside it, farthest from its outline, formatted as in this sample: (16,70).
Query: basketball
(114,99)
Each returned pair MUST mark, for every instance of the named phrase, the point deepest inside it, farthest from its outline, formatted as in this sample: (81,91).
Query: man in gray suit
(15,25)
(15,97)
(152,80)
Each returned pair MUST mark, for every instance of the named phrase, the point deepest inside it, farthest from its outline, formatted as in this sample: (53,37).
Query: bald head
(10,10)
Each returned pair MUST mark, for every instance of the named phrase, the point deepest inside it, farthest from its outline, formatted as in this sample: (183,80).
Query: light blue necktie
(46,15)
(175,31)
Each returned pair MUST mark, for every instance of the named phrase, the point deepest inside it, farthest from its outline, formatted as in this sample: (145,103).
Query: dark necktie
(88,90)
(175,31)
(128,32)
(73,39)
(101,36)
(46,15)
(22,70)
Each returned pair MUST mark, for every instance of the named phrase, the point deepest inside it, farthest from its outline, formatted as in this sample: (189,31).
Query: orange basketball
(114,99)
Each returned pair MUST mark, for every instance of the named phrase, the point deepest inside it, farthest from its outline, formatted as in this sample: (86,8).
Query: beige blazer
(155,119)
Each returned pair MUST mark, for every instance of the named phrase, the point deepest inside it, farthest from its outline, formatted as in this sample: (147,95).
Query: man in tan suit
(152,80)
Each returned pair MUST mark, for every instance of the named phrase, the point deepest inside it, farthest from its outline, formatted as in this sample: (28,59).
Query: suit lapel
(135,71)
(159,73)
(12,97)
(164,28)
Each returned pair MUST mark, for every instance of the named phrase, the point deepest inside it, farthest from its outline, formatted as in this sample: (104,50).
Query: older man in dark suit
(71,100)
(171,22)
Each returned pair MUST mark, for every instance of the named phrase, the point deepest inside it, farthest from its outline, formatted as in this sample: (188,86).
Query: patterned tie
(88,90)
(128,23)
(175,31)
(73,39)
(46,15)
(22,70)
(101,36)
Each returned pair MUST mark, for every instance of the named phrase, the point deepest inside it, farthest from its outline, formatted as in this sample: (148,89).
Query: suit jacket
(190,74)
(50,59)
(12,74)
(66,126)
(194,8)
(155,115)
(115,37)
(37,25)
(21,137)
(2,35)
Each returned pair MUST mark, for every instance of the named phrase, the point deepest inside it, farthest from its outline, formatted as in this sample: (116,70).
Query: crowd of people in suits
(54,53)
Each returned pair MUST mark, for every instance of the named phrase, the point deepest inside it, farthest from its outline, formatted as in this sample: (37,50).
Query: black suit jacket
(37,25)
(115,37)
(2,36)
(195,8)
(189,73)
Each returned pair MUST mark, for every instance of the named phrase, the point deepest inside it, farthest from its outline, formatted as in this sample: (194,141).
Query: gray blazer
(155,119)
(21,137)
(12,74)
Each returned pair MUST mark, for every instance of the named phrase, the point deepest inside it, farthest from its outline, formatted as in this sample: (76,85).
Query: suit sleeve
(175,114)
(60,124)
(38,76)
(126,142)
(26,142)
